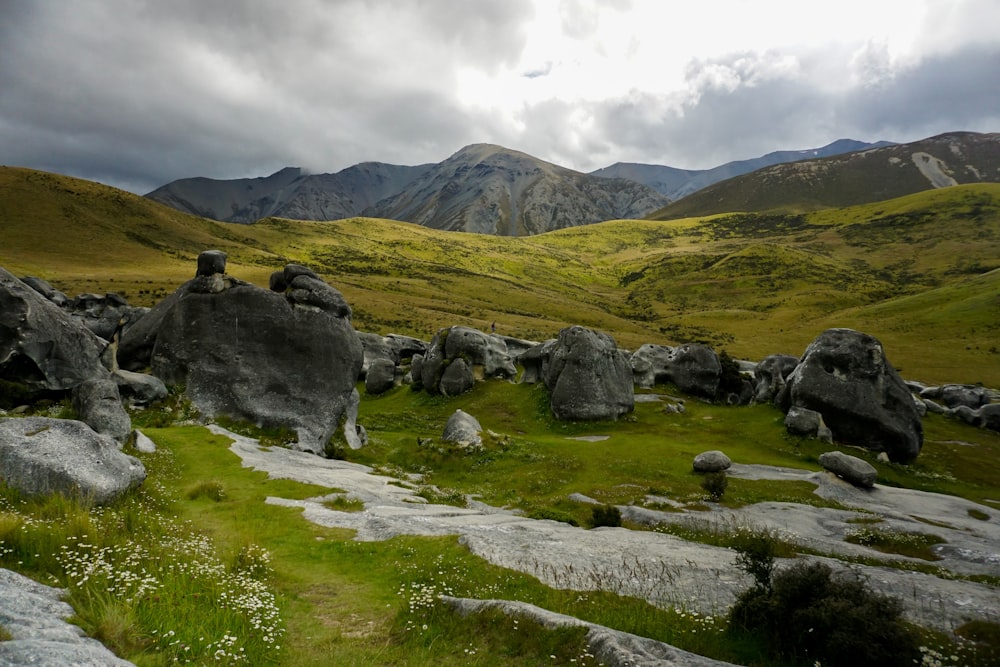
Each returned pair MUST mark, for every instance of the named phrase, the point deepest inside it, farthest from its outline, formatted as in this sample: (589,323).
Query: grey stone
(416,372)
(535,361)
(41,346)
(808,423)
(850,468)
(588,377)
(405,347)
(34,616)
(770,374)
(712,461)
(381,376)
(45,289)
(463,429)
(375,347)
(457,378)
(211,262)
(845,376)
(141,388)
(954,395)
(693,368)
(99,405)
(258,355)
(40,456)
(105,315)
(142,443)
(309,291)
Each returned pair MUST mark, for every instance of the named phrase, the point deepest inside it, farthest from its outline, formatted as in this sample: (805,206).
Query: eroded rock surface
(588,377)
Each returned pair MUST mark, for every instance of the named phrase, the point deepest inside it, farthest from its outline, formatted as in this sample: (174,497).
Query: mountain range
(489,189)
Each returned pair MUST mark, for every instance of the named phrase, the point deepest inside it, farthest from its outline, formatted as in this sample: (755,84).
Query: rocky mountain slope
(492,190)
(853,178)
(677,183)
(289,193)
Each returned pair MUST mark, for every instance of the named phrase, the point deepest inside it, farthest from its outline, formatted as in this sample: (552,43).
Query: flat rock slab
(590,438)
(33,614)
(663,569)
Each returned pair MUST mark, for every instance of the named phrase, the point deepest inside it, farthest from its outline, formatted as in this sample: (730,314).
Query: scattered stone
(99,405)
(588,377)
(694,368)
(34,616)
(140,388)
(457,378)
(850,468)
(142,443)
(712,461)
(463,429)
(41,456)
(482,356)
(845,376)
(381,376)
(955,395)
(807,423)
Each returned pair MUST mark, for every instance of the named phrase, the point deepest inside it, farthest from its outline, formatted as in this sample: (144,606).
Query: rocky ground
(665,569)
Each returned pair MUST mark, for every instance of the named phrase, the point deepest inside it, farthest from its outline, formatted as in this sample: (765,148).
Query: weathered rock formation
(41,456)
(807,423)
(458,356)
(845,376)
(380,376)
(711,461)
(288,356)
(588,377)
(769,376)
(694,368)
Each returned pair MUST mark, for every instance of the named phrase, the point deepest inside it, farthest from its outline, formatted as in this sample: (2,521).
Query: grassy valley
(922,273)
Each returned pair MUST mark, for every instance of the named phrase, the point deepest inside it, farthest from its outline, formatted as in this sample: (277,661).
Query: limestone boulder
(105,315)
(41,346)
(954,395)
(288,358)
(457,378)
(845,376)
(405,347)
(694,368)
(463,429)
(769,376)
(535,361)
(588,377)
(41,456)
(458,356)
(375,347)
(45,289)
(711,461)
(140,388)
(99,405)
(381,376)
(849,468)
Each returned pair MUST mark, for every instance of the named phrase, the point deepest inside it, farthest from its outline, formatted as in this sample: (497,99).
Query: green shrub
(605,515)
(756,550)
(809,615)
(552,515)
(206,488)
(715,484)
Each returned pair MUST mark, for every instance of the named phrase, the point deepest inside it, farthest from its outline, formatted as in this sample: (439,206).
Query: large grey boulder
(844,375)
(99,405)
(535,361)
(694,368)
(34,616)
(481,355)
(381,376)
(375,347)
(45,289)
(41,456)
(140,388)
(405,347)
(588,377)
(286,358)
(104,315)
(41,346)
(850,468)
(987,416)
(463,429)
(769,376)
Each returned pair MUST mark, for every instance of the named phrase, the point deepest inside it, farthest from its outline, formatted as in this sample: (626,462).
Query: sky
(137,93)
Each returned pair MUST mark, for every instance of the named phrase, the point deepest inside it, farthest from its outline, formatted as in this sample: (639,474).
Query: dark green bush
(808,615)
(605,515)
(715,484)
(755,554)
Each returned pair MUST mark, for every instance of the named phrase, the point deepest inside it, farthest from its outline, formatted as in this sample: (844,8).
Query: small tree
(605,515)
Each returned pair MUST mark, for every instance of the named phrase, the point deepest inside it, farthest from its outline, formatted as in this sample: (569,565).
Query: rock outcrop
(288,356)
(694,368)
(844,375)
(458,356)
(588,377)
(807,423)
(463,429)
(41,456)
(769,376)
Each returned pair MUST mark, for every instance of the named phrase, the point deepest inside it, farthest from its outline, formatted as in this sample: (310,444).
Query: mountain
(852,178)
(493,190)
(288,193)
(677,183)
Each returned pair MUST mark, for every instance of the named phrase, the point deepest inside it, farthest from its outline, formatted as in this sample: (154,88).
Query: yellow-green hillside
(919,272)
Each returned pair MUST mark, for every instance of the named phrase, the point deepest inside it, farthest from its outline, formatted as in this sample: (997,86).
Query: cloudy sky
(136,93)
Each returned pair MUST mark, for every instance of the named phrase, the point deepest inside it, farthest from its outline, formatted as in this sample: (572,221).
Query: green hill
(918,272)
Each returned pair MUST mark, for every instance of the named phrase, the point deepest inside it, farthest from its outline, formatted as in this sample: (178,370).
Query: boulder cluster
(289,357)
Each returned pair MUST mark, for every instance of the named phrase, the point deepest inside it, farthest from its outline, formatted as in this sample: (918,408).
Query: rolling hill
(849,179)
(922,272)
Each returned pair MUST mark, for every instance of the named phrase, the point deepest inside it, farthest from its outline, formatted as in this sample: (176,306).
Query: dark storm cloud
(139,93)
